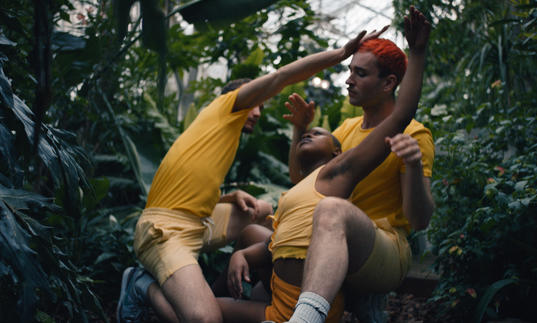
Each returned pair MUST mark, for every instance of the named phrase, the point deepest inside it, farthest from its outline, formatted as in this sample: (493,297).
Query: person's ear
(390,83)
(336,152)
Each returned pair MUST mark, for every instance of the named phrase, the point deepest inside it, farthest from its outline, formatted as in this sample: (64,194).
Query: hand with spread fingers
(352,45)
(301,113)
(417,30)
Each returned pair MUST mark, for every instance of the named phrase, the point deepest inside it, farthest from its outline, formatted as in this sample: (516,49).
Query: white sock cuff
(316,301)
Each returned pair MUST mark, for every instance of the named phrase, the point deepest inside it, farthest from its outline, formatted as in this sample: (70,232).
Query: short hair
(390,58)
(234,84)
(335,141)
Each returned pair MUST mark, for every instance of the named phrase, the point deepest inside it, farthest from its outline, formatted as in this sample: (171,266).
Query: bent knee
(203,316)
(337,209)
(332,202)
(334,212)
(251,234)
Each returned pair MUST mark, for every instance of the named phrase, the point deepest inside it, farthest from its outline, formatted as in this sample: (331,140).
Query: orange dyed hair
(390,58)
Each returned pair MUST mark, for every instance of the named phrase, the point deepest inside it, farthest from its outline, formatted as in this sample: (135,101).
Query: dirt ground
(403,308)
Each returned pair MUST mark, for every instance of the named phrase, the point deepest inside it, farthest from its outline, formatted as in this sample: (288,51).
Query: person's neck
(374,115)
(308,167)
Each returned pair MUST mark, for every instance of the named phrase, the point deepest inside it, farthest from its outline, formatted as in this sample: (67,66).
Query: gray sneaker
(133,305)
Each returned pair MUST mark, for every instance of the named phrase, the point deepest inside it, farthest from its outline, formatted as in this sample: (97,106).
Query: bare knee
(201,315)
(252,234)
(333,211)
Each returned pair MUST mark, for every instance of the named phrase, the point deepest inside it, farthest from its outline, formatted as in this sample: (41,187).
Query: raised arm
(301,113)
(342,173)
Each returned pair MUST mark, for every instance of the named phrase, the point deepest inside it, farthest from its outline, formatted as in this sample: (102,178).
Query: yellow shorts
(388,263)
(285,296)
(166,240)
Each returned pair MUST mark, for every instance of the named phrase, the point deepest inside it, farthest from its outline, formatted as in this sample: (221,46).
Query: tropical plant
(77,165)
(480,103)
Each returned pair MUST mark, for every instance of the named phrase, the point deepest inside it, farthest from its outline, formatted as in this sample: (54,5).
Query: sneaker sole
(125,279)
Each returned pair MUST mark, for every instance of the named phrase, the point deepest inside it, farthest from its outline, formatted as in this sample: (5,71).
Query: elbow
(422,221)
(422,225)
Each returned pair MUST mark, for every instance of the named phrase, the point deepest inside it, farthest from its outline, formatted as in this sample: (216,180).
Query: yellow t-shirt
(294,218)
(190,175)
(379,194)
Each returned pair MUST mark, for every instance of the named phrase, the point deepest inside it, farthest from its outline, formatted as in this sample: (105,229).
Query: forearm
(410,88)
(418,204)
(258,255)
(295,174)
(228,198)
(259,90)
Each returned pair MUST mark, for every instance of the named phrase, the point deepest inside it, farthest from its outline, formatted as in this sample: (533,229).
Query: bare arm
(418,204)
(256,255)
(341,174)
(301,113)
(245,202)
(262,88)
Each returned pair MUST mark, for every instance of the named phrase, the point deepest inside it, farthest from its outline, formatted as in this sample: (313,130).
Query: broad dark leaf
(15,250)
(5,90)
(122,10)
(153,26)
(58,156)
(6,42)
(22,199)
(63,41)
(6,150)
(219,13)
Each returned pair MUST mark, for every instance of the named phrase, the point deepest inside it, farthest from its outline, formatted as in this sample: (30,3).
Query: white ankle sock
(310,308)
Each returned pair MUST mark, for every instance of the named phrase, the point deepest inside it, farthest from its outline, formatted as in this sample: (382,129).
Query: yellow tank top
(379,194)
(190,175)
(293,219)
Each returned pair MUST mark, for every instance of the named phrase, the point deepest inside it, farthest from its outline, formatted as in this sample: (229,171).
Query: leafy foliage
(68,205)
(480,104)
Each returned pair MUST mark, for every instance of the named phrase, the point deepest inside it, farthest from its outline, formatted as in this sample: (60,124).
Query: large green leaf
(488,295)
(219,13)
(59,157)
(15,250)
(122,9)
(5,90)
(153,26)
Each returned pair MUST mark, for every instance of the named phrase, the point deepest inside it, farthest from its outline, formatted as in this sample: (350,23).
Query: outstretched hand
(417,30)
(302,113)
(352,45)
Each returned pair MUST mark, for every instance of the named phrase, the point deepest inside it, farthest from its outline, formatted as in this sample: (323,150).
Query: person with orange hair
(360,243)
(327,174)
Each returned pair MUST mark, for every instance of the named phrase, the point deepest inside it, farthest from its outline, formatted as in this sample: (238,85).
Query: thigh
(386,266)
(165,244)
(359,230)
(217,236)
(190,296)
(238,310)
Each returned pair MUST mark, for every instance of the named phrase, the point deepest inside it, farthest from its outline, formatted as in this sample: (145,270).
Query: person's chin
(247,129)
(354,101)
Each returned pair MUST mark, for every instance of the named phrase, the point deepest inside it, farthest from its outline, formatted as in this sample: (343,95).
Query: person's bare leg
(238,220)
(160,304)
(341,241)
(190,296)
(234,310)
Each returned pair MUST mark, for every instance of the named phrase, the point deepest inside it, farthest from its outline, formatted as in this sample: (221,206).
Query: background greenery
(98,94)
